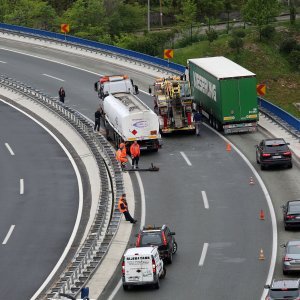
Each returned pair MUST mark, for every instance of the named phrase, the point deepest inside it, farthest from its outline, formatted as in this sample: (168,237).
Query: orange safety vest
(135,150)
(124,205)
(118,155)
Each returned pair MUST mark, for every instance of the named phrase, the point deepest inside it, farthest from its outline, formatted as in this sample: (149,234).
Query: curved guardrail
(289,122)
(107,219)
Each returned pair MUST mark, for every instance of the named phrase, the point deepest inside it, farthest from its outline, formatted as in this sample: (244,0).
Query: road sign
(168,53)
(65,28)
(261,89)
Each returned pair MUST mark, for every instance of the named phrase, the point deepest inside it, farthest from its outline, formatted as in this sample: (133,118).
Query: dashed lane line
(9,149)
(12,227)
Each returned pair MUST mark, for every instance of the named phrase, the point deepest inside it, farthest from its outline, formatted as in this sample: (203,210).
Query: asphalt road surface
(39,203)
(190,167)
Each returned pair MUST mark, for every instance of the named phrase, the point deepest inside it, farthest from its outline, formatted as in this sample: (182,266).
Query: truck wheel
(163,274)
(125,287)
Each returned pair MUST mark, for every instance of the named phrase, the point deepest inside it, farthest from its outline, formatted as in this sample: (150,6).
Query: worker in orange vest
(135,153)
(121,155)
(123,208)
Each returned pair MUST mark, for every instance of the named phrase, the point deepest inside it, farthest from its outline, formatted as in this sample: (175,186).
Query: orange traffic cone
(262,215)
(251,180)
(228,147)
(261,255)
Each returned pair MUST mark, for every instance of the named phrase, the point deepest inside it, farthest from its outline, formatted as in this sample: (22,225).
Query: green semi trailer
(226,93)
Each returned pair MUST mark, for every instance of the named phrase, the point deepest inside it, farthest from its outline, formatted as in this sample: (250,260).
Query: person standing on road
(135,153)
(121,155)
(197,120)
(62,95)
(97,120)
(123,208)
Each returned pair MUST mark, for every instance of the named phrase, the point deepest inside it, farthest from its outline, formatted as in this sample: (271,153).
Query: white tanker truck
(127,118)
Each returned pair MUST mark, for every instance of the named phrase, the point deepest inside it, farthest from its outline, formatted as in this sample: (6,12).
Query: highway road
(189,168)
(39,203)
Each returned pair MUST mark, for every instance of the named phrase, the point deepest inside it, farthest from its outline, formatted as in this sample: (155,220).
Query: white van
(142,266)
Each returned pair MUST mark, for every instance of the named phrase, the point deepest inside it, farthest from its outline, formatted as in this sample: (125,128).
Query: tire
(257,159)
(163,275)
(170,259)
(175,247)
(125,287)
(262,167)
(290,165)
(157,285)
(286,228)
(285,272)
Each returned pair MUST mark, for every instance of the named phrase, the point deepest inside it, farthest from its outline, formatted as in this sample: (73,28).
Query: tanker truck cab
(115,84)
(142,266)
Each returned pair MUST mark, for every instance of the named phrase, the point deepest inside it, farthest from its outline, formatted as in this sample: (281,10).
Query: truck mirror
(96,86)
(136,89)
(150,90)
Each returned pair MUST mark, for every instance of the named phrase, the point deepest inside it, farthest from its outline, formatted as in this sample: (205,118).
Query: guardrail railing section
(107,218)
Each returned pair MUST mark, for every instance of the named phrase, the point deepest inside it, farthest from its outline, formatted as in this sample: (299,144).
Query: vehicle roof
(293,243)
(221,67)
(140,251)
(285,283)
(294,202)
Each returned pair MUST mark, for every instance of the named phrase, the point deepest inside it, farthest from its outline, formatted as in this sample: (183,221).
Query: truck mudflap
(240,127)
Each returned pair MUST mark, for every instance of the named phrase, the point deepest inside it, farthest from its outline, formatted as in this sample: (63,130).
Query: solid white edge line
(185,158)
(271,208)
(143,220)
(80,205)
(53,77)
(21,186)
(12,227)
(203,254)
(205,201)
(9,149)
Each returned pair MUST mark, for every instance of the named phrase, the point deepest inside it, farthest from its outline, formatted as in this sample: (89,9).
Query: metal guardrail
(116,52)
(281,117)
(148,61)
(106,221)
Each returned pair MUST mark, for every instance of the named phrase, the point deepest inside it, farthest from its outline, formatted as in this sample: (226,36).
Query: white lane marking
(185,158)
(2,62)
(80,204)
(53,77)
(9,149)
(8,234)
(271,209)
(205,201)
(143,220)
(21,186)
(203,254)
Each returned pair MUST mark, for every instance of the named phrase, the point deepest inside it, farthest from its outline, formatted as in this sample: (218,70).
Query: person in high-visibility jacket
(123,208)
(135,153)
(121,155)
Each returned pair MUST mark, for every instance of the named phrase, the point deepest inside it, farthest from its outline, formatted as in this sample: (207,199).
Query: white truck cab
(142,266)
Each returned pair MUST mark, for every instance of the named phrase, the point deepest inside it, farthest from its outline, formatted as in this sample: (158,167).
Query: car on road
(273,152)
(162,237)
(142,266)
(291,257)
(284,289)
(291,214)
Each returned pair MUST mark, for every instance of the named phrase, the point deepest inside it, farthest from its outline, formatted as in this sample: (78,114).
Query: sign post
(65,28)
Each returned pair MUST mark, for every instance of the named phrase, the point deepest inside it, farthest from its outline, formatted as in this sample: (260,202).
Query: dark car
(273,152)
(291,214)
(284,289)
(162,237)
(291,257)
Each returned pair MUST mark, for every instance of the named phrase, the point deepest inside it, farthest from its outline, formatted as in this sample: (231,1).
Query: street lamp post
(148,15)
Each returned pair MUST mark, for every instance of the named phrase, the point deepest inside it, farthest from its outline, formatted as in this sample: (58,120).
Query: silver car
(291,258)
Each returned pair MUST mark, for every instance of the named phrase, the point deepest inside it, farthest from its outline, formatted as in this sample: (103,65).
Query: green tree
(260,12)
(32,13)
(60,6)
(87,18)
(210,9)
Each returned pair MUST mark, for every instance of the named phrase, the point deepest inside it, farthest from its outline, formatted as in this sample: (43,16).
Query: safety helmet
(122,145)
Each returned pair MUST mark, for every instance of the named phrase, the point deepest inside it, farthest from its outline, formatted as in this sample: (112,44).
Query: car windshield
(279,294)
(151,239)
(294,207)
(294,249)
